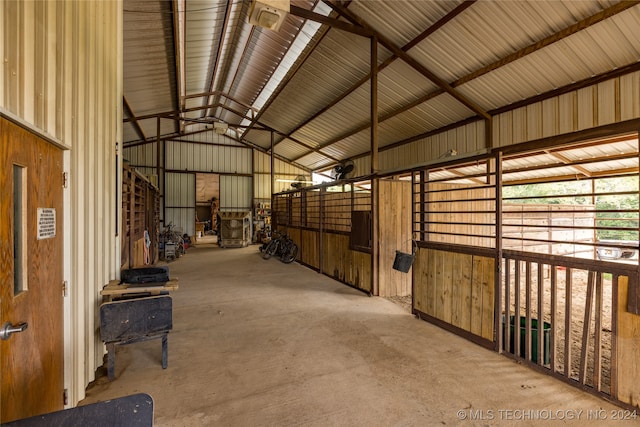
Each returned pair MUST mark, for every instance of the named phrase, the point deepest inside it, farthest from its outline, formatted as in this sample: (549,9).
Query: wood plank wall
(343,264)
(394,233)
(457,289)
(628,348)
(310,248)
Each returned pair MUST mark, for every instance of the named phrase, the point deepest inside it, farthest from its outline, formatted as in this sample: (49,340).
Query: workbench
(132,313)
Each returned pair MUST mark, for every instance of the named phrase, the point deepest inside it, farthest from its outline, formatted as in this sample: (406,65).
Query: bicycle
(281,246)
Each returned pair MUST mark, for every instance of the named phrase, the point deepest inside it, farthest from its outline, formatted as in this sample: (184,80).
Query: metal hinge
(65,286)
(65,397)
(65,179)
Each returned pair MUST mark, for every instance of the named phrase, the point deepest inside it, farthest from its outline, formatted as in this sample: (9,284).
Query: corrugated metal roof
(299,80)
(148,71)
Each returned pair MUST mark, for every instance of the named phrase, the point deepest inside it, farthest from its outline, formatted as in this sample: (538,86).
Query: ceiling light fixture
(268,14)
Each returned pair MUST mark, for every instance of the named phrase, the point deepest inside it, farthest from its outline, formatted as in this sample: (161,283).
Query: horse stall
(521,272)
(333,225)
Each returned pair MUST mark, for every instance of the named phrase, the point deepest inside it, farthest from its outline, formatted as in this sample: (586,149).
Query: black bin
(145,275)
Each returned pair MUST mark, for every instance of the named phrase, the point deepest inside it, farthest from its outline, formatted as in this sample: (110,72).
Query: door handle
(8,329)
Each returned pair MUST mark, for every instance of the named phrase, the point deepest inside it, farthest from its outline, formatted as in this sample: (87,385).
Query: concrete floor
(259,342)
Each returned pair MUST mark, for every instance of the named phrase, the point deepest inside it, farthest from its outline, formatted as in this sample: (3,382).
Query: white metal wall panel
(586,108)
(630,96)
(550,117)
(207,158)
(180,201)
(262,186)
(183,219)
(180,190)
(236,193)
(62,74)
(532,124)
(141,155)
(567,112)
(212,137)
(465,140)
(609,102)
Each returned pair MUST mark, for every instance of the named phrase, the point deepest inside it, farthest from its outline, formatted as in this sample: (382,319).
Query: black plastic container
(145,275)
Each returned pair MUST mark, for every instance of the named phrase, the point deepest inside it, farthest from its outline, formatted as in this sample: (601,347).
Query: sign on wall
(46,223)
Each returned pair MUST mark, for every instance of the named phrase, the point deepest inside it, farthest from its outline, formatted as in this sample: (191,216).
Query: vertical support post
(614,338)
(374,167)
(488,133)
(508,330)
(375,220)
(498,244)
(424,205)
(132,213)
(374,105)
(527,329)
(554,309)
(320,228)
(516,302)
(586,328)
(159,170)
(273,183)
(568,311)
(540,337)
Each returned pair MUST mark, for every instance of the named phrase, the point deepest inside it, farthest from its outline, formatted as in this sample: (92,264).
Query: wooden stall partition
(456,291)
(394,233)
(295,235)
(628,349)
(310,248)
(345,265)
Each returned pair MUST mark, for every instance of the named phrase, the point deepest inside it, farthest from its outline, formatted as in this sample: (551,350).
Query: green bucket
(534,338)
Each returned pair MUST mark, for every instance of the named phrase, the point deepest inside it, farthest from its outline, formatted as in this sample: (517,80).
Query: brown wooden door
(31,273)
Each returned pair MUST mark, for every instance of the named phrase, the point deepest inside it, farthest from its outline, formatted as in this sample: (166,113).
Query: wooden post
(498,265)
(374,105)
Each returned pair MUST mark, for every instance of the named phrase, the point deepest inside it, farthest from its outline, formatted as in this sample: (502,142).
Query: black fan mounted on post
(343,169)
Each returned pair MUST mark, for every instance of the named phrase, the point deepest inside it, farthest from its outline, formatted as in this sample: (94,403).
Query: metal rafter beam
(471,105)
(133,119)
(579,26)
(292,72)
(422,36)
(334,23)
(568,162)
(592,20)
(216,66)
(177,46)
(223,95)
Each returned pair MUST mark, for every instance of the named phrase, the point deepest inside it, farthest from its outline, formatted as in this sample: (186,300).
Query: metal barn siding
(630,96)
(608,102)
(180,201)
(61,74)
(207,158)
(466,139)
(236,193)
(141,155)
(262,174)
